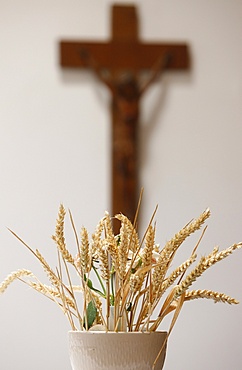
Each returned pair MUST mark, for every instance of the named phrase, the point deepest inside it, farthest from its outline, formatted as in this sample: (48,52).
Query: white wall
(54,147)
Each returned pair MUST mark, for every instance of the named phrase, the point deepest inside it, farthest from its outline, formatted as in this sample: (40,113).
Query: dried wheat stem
(66,308)
(164,309)
(135,303)
(71,292)
(74,230)
(174,319)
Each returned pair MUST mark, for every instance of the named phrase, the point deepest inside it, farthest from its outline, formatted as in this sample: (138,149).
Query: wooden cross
(118,63)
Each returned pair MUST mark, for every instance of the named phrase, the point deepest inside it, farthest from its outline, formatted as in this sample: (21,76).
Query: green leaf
(89,283)
(90,286)
(91,314)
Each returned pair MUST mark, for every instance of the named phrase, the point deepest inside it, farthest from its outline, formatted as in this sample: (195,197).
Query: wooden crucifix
(119,63)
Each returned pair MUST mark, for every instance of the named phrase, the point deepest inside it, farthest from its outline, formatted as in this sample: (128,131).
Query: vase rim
(118,332)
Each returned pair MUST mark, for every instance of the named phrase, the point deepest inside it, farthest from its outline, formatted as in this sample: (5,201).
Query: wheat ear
(210,294)
(85,258)
(13,276)
(109,234)
(103,255)
(96,239)
(168,252)
(123,248)
(134,244)
(175,274)
(59,236)
(48,290)
(50,273)
(137,279)
(203,265)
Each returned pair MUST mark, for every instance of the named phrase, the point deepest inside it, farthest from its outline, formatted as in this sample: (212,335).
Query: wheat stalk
(131,276)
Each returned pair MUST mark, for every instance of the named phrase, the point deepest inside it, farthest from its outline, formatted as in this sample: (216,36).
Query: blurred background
(55,147)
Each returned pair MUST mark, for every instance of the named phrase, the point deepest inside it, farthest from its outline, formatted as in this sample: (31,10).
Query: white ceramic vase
(116,351)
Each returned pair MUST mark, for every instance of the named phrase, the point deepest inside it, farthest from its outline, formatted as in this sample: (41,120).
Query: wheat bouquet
(121,282)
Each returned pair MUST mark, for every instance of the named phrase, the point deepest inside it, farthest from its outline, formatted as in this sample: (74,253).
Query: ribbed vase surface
(116,351)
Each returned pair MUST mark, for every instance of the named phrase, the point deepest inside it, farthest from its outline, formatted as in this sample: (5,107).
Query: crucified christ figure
(126,91)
